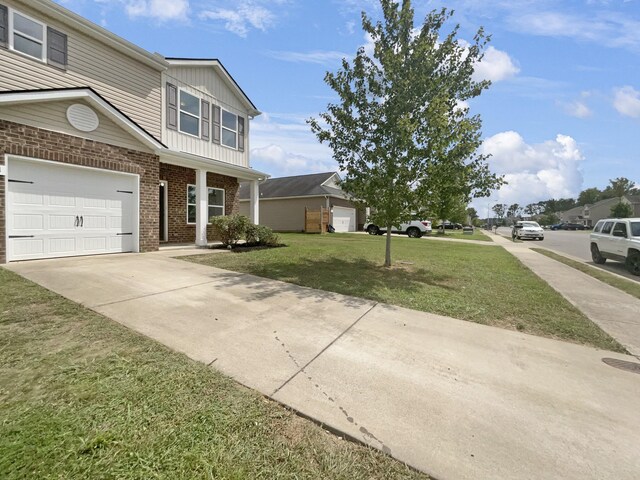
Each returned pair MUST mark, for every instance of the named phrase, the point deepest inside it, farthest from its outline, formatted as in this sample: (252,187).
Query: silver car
(527,229)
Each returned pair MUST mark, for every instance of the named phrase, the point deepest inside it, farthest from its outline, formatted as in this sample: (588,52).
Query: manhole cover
(623,364)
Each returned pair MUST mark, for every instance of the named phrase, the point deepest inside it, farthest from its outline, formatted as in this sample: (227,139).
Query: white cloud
(158,9)
(242,19)
(318,57)
(578,109)
(283,144)
(496,65)
(626,100)
(534,172)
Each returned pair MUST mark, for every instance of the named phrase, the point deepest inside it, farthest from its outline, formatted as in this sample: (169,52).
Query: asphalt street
(574,244)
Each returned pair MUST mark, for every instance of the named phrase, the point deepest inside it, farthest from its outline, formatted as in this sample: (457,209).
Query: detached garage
(60,210)
(283,202)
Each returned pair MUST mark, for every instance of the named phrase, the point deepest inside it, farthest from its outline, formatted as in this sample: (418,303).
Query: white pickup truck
(617,239)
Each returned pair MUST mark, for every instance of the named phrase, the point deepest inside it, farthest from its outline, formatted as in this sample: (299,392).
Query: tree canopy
(401,131)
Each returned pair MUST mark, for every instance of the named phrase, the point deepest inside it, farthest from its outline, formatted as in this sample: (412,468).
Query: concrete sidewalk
(452,398)
(615,311)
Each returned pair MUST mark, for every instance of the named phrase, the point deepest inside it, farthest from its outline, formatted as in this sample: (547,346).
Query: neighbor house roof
(312,185)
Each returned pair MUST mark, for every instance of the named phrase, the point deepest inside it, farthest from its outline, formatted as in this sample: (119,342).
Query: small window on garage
(607,227)
(215,202)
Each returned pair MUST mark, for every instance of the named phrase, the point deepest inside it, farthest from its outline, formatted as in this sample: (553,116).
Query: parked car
(527,229)
(450,226)
(617,239)
(413,229)
(569,226)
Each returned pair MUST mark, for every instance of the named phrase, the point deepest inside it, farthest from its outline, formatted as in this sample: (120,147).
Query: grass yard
(478,234)
(471,282)
(82,397)
(628,286)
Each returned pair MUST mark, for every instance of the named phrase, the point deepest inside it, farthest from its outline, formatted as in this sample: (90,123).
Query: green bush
(230,229)
(260,235)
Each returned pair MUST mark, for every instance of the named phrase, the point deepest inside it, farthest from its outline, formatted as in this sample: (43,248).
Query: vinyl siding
(205,84)
(131,86)
(287,215)
(53,116)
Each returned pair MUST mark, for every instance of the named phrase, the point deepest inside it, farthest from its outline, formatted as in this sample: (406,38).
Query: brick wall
(46,145)
(177,179)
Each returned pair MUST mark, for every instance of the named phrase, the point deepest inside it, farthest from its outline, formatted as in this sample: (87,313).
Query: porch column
(202,208)
(254,202)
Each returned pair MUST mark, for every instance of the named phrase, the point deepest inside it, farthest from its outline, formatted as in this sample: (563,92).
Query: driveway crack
(301,369)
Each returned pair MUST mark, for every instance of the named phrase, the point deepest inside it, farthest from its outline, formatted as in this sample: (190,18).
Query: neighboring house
(105,147)
(590,214)
(283,201)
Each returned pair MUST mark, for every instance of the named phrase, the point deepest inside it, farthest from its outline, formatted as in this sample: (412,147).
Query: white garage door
(344,219)
(57,210)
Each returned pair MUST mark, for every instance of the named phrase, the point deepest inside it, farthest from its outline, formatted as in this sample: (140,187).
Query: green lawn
(471,282)
(628,286)
(82,397)
(478,234)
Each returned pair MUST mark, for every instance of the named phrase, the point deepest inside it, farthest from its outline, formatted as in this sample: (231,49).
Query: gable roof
(220,70)
(90,96)
(311,185)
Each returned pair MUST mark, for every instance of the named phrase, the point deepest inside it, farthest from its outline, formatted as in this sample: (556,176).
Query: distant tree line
(547,210)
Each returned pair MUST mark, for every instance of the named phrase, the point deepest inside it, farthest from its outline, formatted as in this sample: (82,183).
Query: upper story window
(189,114)
(229,129)
(28,36)
(32,38)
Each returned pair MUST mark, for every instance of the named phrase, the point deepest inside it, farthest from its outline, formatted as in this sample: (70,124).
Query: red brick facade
(42,144)
(177,179)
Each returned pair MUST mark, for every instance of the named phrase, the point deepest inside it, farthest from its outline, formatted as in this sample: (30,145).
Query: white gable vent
(82,118)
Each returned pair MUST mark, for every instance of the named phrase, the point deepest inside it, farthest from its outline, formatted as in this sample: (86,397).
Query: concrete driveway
(455,399)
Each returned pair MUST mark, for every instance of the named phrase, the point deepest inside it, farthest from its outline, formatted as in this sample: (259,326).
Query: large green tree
(401,131)
(618,187)
(589,196)
(622,210)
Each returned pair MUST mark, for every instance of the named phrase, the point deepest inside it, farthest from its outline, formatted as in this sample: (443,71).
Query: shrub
(230,229)
(260,235)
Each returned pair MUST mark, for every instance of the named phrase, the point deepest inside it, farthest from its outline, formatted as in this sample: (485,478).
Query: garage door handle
(81,221)
(77,222)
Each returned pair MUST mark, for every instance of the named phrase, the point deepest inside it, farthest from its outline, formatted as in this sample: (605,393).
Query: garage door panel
(62,246)
(28,247)
(68,211)
(28,222)
(61,222)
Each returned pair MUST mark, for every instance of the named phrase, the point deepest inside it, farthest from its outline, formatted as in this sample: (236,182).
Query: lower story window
(215,203)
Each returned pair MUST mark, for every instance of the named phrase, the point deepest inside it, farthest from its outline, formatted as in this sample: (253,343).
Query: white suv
(413,229)
(527,229)
(617,239)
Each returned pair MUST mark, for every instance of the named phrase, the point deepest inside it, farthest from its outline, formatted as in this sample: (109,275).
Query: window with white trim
(229,129)
(189,114)
(215,203)
(27,36)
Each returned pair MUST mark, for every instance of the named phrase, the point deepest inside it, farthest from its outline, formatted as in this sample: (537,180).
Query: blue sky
(563,113)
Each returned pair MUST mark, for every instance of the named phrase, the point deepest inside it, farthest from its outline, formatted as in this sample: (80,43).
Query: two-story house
(105,147)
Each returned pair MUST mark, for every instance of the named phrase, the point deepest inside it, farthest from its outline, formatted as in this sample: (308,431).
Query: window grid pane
(189,124)
(27,46)
(216,211)
(229,138)
(189,103)
(229,120)
(216,197)
(28,27)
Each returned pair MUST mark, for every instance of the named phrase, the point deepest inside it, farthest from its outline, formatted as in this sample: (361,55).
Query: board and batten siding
(204,83)
(131,86)
(53,116)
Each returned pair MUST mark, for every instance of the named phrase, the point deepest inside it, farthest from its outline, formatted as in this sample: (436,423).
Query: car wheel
(596,256)
(413,232)
(633,263)
(372,230)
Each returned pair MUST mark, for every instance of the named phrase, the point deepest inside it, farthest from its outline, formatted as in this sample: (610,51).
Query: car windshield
(635,229)
(530,224)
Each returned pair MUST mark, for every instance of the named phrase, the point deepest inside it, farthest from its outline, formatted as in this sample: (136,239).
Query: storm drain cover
(623,364)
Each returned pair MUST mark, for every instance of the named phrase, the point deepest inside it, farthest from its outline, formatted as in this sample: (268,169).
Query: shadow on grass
(325,278)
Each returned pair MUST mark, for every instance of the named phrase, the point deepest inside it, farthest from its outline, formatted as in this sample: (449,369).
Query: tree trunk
(387,255)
